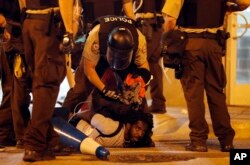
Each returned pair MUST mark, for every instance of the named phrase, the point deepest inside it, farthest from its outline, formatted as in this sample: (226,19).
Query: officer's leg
(80,91)
(156,85)
(216,81)
(7,136)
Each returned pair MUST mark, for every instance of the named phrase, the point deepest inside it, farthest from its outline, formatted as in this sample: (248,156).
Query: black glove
(110,94)
(67,44)
(144,73)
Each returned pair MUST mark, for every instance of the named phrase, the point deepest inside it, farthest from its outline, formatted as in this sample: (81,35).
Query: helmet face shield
(119,59)
(120,48)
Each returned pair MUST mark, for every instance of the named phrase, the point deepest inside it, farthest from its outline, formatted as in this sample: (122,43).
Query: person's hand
(4,34)
(67,44)
(110,94)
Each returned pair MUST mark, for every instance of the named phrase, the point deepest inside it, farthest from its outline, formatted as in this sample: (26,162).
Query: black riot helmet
(120,48)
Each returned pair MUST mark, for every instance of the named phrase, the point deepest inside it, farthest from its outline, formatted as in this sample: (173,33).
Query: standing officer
(46,66)
(203,69)
(14,53)
(149,17)
(7,137)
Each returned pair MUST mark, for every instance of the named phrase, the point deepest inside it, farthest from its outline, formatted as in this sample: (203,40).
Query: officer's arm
(22,4)
(90,72)
(171,10)
(128,8)
(4,34)
(66,9)
(170,22)
(91,56)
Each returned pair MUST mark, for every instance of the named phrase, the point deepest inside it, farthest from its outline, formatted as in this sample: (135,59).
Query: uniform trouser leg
(193,88)
(215,84)
(40,134)
(156,85)
(20,106)
(203,70)
(48,71)
(6,125)
(80,91)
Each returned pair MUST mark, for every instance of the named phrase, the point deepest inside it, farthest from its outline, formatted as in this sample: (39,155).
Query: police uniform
(203,69)
(94,50)
(10,10)
(151,20)
(46,65)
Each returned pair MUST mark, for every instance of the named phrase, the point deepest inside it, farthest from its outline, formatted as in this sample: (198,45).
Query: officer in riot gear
(202,22)
(148,16)
(119,48)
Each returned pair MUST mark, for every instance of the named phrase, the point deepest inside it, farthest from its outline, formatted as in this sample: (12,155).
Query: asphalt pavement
(170,135)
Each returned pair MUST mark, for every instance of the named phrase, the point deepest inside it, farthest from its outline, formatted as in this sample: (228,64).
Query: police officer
(203,68)
(94,61)
(46,66)
(7,137)
(149,17)
(92,9)
(20,98)
(13,93)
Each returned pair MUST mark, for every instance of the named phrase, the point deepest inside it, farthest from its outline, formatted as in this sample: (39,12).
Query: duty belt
(43,11)
(202,35)
(41,14)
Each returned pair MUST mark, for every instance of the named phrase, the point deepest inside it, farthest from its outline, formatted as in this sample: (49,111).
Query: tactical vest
(152,6)
(202,13)
(107,24)
(41,4)
(93,9)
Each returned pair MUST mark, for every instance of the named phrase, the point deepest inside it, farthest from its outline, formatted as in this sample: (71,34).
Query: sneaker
(194,147)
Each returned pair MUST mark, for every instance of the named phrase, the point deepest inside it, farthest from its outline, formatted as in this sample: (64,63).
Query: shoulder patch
(144,48)
(95,47)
